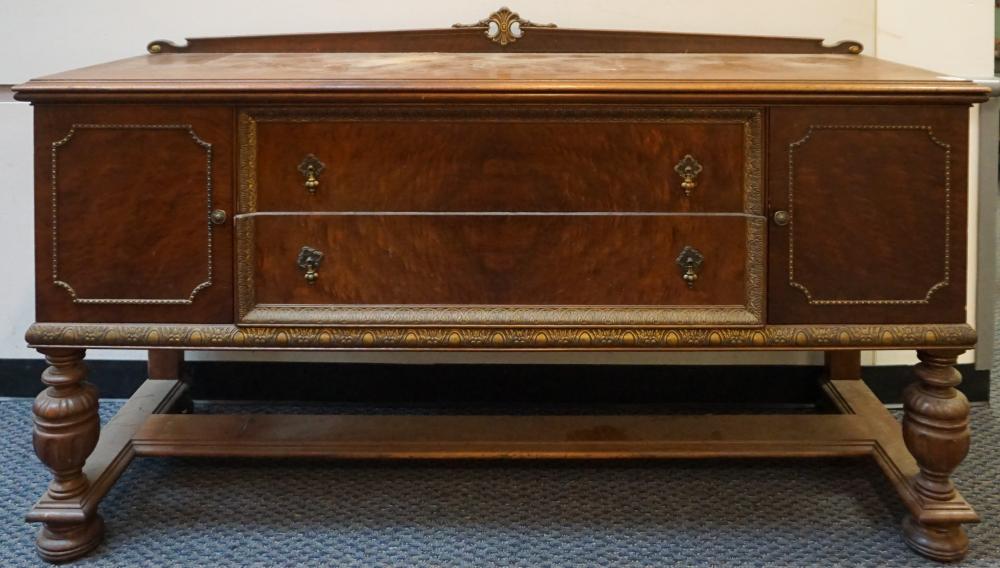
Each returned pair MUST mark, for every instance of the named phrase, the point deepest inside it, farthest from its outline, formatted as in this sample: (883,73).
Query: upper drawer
(517,158)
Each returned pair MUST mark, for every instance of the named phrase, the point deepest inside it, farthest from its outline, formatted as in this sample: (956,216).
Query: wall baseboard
(620,384)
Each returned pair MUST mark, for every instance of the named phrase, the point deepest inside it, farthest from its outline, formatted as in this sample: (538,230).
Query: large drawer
(500,269)
(518,158)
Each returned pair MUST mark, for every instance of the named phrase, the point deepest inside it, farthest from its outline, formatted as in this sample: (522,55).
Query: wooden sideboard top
(228,74)
(434,240)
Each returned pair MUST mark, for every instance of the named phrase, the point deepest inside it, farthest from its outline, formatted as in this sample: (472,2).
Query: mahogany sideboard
(503,185)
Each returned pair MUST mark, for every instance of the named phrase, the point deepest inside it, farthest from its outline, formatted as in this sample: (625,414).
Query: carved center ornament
(504,26)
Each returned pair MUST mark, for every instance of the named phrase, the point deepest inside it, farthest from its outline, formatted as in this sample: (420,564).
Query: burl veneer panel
(123,196)
(877,201)
(498,160)
(500,260)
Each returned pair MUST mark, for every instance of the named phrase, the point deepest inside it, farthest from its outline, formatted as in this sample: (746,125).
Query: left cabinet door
(124,202)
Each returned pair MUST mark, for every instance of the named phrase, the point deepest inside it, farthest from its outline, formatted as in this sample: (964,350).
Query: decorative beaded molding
(337,314)
(55,213)
(751,313)
(791,337)
(791,225)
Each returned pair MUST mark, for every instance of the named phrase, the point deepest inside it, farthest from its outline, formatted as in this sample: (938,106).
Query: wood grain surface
(122,201)
(689,73)
(540,260)
(505,163)
(877,198)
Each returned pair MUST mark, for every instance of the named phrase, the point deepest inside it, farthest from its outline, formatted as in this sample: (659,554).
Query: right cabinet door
(868,214)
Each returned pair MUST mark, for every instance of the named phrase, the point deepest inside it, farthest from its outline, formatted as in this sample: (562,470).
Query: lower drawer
(441,268)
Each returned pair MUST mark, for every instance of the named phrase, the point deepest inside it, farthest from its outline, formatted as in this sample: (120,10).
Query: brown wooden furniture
(504,186)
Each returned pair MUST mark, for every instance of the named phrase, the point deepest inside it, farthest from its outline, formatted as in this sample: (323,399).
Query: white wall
(953,38)
(54,35)
(38,38)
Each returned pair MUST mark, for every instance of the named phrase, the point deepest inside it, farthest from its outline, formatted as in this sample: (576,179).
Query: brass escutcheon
(309,260)
(688,168)
(690,260)
(311,167)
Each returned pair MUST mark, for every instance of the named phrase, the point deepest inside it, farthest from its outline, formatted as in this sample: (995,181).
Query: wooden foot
(945,543)
(936,432)
(66,431)
(58,543)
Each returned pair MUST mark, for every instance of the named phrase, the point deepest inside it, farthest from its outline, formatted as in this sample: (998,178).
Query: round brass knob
(218,217)
(781,218)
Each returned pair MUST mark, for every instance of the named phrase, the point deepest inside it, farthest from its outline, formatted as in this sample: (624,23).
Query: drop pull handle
(309,260)
(310,168)
(690,260)
(688,168)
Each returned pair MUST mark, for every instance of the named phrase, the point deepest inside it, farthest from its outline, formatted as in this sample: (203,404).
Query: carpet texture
(188,512)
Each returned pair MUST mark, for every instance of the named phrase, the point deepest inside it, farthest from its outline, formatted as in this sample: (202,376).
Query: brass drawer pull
(690,261)
(217,217)
(309,260)
(781,218)
(310,168)
(688,169)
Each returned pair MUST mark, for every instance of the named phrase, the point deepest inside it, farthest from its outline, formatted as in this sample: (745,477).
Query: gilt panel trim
(810,296)
(750,314)
(490,315)
(791,337)
(206,146)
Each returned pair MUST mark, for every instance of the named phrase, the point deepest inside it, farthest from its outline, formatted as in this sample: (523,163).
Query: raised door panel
(876,214)
(124,197)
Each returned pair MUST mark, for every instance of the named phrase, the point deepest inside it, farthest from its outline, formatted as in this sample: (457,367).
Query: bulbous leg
(936,431)
(65,433)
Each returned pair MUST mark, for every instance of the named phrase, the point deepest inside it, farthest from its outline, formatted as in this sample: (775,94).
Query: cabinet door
(875,230)
(123,203)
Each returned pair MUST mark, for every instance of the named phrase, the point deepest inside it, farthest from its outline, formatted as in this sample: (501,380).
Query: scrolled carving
(504,26)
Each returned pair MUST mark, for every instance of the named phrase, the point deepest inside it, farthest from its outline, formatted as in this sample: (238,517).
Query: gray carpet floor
(187,512)
(180,512)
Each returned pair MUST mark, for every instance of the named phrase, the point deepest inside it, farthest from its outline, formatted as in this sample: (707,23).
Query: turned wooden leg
(66,430)
(936,431)
(168,364)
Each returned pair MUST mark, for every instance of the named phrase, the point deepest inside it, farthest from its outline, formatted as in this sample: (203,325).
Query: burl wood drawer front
(518,158)
(123,206)
(876,225)
(501,269)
